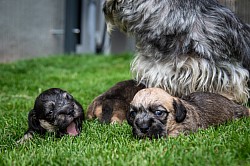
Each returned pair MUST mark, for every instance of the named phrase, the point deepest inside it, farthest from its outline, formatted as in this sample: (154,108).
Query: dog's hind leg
(112,105)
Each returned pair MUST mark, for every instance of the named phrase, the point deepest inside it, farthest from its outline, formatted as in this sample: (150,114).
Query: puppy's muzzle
(144,123)
(144,128)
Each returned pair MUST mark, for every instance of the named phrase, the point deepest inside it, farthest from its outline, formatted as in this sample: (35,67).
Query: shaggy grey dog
(184,46)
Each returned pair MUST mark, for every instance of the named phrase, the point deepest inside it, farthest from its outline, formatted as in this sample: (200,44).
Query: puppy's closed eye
(49,113)
(49,109)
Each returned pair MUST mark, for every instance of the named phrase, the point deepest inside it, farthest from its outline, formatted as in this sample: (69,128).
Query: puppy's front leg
(112,105)
(34,127)
(27,136)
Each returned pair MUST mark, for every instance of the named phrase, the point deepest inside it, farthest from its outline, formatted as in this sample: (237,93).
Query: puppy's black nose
(144,129)
(143,122)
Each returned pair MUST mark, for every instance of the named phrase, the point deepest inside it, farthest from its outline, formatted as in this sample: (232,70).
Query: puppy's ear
(180,111)
(34,124)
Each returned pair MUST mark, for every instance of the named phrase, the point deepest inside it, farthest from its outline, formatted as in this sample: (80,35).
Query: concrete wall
(240,7)
(94,37)
(32,28)
(243,10)
(26,28)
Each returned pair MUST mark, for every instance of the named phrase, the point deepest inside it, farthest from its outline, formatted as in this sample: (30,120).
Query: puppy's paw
(26,137)
(108,110)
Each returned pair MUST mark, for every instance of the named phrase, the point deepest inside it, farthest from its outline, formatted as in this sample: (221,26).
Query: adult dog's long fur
(185,46)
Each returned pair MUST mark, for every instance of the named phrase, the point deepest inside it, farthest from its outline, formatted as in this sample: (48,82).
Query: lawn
(85,77)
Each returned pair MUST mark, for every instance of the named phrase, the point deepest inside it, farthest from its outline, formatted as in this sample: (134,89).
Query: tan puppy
(154,113)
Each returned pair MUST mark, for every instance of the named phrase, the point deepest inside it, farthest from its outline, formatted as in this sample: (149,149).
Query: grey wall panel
(30,28)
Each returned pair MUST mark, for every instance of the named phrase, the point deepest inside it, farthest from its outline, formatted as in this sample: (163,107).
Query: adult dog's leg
(112,105)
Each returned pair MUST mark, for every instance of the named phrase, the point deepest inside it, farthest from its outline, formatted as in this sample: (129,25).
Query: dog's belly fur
(191,74)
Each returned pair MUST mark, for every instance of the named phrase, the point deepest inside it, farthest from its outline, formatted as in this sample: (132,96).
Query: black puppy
(55,110)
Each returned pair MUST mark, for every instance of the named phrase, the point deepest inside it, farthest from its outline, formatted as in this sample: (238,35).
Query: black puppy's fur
(55,110)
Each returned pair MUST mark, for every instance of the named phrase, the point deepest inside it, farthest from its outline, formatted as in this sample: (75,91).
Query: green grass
(85,77)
